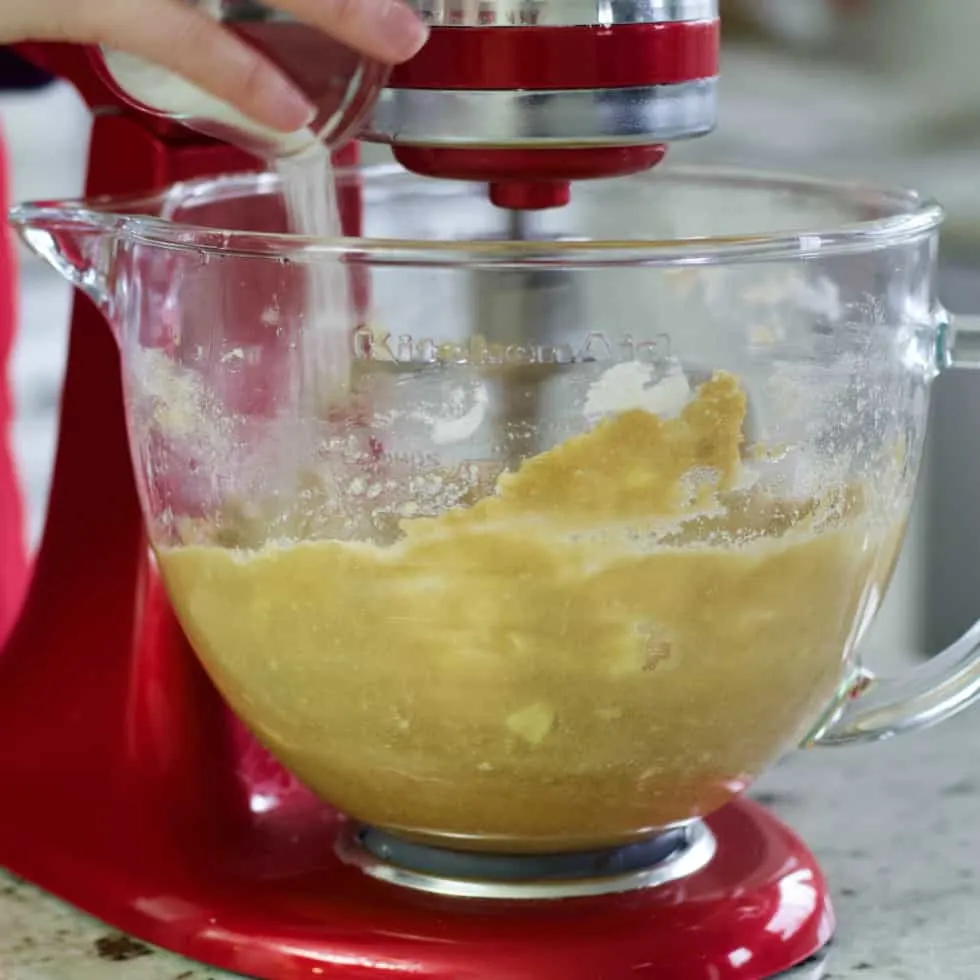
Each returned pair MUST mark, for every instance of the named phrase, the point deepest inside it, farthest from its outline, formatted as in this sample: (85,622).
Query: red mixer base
(759,911)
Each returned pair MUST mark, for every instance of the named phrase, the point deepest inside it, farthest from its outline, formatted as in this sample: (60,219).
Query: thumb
(182,39)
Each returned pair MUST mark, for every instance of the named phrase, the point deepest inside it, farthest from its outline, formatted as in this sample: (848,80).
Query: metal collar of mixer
(621,116)
(562,13)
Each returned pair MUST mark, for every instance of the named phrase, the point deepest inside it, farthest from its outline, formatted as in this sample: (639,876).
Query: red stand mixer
(129,792)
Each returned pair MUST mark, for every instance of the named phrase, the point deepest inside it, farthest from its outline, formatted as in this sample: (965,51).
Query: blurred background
(884,90)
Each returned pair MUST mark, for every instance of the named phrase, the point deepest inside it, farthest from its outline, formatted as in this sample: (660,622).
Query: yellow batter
(579,657)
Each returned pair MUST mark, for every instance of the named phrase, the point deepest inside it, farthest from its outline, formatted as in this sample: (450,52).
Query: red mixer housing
(129,789)
(528,95)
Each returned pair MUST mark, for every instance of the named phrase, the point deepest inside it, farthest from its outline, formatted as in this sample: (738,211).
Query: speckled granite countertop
(896,826)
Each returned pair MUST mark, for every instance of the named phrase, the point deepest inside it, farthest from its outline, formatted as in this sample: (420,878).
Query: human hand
(183,39)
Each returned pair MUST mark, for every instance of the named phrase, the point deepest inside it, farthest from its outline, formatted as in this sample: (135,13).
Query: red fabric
(13,557)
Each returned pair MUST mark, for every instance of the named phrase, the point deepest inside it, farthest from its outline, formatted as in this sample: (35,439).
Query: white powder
(325,349)
(630,386)
(458,428)
(173,96)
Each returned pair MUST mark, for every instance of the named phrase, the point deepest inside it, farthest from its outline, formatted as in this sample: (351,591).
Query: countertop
(895,826)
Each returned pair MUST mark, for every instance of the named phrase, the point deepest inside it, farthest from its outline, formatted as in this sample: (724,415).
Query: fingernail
(399,29)
(285,106)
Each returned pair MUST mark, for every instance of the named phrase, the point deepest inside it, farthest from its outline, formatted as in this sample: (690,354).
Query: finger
(185,41)
(388,30)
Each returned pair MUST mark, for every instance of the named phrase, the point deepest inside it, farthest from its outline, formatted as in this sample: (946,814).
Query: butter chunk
(532,723)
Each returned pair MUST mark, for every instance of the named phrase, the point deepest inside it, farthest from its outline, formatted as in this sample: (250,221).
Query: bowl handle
(950,681)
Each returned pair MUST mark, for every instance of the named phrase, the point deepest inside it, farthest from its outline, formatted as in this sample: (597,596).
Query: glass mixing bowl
(578,527)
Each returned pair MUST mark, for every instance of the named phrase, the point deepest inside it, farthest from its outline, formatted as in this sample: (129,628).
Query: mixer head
(525,95)
(528,95)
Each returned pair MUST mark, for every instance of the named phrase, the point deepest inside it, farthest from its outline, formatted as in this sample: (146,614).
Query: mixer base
(277,901)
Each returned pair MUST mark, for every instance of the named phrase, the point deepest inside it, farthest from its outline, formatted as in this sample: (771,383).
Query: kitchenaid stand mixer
(127,790)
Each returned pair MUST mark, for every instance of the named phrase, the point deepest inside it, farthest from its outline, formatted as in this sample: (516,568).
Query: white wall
(47,139)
